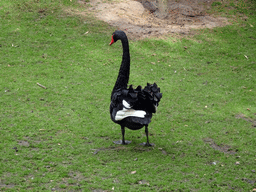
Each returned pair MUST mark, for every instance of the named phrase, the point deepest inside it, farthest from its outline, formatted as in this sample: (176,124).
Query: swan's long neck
(124,71)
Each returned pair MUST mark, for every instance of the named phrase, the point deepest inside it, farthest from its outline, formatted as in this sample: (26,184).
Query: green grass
(233,8)
(204,126)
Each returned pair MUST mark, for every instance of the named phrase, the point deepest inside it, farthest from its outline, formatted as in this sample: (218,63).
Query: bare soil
(143,18)
(223,148)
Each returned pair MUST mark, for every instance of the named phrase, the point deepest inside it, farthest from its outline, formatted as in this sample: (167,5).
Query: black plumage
(131,108)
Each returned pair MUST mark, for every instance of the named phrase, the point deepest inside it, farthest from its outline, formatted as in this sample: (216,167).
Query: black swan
(131,108)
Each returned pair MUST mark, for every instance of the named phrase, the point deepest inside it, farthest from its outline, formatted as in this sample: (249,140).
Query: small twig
(41,86)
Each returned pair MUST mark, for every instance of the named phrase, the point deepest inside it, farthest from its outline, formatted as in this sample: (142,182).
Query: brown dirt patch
(143,18)
(223,148)
(23,143)
(242,116)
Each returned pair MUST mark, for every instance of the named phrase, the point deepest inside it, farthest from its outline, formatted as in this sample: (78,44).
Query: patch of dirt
(4,186)
(223,148)
(23,143)
(145,18)
(78,176)
(98,190)
(119,148)
(4,176)
(242,116)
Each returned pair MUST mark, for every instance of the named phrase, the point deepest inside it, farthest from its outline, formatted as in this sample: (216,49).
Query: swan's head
(116,36)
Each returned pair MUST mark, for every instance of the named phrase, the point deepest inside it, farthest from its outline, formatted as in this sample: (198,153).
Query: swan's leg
(147,143)
(146,131)
(122,142)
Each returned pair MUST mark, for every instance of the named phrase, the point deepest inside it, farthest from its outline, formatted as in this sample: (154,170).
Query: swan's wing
(127,111)
(140,103)
(126,105)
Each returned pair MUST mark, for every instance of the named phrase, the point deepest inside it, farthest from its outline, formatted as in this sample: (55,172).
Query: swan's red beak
(112,40)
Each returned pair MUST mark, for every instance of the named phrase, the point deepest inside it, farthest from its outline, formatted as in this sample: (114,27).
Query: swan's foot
(147,144)
(120,142)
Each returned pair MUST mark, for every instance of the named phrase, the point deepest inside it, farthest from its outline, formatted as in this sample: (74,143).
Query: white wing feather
(128,112)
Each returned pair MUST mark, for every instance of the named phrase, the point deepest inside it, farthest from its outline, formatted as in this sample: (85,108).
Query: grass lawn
(60,138)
